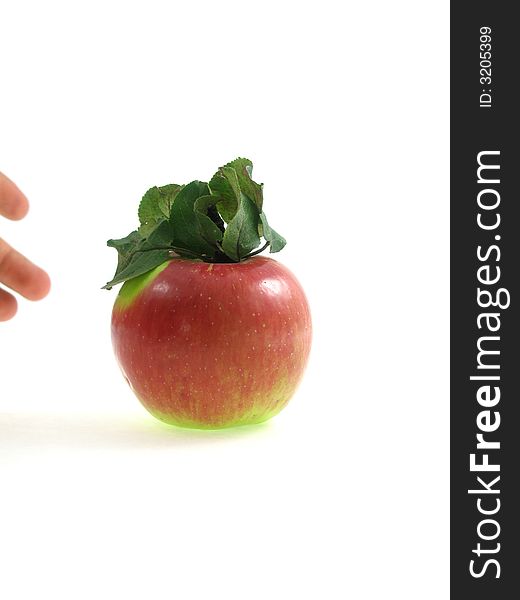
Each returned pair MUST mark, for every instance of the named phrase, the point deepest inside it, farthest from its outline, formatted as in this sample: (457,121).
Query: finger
(21,275)
(8,305)
(13,204)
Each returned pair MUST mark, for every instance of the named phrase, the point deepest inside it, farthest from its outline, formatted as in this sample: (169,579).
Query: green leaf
(232,180)
(243,168)
(241,235)
(168,194)
(276,241)
(162,235)
(125,248)
(140,262)
(135,253)
(184,221)
(156,206)
(209,229)
(220,221)
(228,199)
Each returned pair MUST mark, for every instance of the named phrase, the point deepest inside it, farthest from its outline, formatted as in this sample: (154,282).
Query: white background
(343,107)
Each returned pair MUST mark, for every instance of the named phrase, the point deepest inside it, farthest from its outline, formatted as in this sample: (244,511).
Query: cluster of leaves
(219,221)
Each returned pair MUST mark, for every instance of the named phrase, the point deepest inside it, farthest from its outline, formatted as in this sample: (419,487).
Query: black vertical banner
(485,301)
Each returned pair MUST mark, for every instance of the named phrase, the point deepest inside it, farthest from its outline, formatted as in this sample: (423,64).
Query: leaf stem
(256,251)
(171,249)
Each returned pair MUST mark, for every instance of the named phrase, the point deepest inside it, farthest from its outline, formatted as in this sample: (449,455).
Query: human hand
(17,272)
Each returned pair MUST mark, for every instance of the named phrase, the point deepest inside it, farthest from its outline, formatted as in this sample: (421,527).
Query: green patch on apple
(132,287)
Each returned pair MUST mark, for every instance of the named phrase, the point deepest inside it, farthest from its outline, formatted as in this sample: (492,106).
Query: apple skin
(213,345)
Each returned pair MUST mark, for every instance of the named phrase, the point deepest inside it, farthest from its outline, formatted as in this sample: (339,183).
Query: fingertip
(8,306)
(41,286)
(21,208)
(13,202)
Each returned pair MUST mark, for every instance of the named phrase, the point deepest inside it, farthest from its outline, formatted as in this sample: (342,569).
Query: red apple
(212,345)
